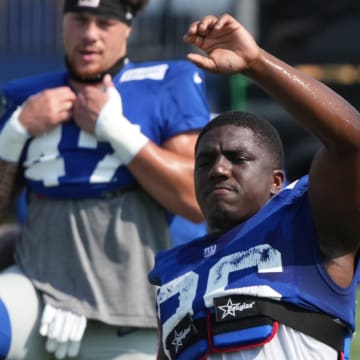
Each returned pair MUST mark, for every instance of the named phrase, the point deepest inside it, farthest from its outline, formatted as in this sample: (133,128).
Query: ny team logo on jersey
(210,251)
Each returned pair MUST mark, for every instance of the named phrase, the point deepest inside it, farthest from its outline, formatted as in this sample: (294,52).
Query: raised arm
(334,176)
(231,49)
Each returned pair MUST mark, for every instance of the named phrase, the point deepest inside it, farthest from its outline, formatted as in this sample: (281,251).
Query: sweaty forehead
(227,137)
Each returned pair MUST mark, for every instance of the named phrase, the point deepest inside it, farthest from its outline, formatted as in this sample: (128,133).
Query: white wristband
(13,137)
(126,138)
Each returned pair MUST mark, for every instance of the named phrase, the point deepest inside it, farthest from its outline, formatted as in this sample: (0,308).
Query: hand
(99,111)
(229,47)
(90,101)
(64,331)
(44,111)
(125,137)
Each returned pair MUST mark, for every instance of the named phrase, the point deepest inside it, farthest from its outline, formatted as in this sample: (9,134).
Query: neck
(95,79)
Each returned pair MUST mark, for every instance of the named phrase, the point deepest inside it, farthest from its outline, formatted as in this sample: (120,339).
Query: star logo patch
(183,335)
(226,309)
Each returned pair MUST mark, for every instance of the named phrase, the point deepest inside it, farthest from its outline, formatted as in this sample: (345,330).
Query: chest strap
(231,311)
(235,313)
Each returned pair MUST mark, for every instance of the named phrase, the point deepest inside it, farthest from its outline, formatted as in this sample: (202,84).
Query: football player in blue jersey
(276,277)
(106,152)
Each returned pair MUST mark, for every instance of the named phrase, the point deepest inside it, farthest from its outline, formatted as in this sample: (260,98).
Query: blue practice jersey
(163,98)
(273,255)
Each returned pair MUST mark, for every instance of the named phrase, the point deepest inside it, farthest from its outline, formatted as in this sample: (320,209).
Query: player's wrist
(13,138)
(125,137)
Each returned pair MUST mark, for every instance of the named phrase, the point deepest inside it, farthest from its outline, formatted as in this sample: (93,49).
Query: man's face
(233,176)
(93,43)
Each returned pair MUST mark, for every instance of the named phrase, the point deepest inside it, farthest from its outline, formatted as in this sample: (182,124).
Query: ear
(128,32)
(278,178)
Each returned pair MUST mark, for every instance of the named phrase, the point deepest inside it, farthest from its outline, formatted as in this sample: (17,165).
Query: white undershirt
(287,344)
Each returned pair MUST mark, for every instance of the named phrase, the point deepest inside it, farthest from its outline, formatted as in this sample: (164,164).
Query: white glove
(125,137)
(64,331)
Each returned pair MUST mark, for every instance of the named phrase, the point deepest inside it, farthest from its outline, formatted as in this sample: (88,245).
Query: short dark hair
(264,132)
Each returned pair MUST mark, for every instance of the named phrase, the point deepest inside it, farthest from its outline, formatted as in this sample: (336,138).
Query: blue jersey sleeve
(185,107)
(15,92)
